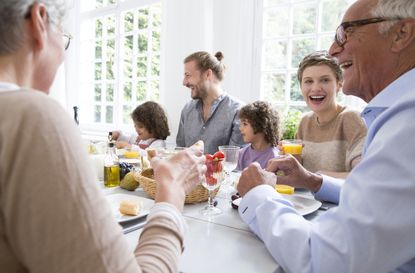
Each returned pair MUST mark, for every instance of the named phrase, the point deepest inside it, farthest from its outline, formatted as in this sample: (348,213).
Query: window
(119,60)
(292,29)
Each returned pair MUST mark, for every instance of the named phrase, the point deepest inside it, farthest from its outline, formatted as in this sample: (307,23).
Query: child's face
(142,131)
(247,131)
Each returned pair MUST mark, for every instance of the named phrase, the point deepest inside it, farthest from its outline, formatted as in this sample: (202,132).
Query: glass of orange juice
(292,146)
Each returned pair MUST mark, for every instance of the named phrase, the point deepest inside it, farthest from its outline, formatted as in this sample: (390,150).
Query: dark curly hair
(263,119)
(153,118)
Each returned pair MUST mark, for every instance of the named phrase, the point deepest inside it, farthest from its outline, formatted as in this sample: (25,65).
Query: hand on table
(253,176)
(178,175)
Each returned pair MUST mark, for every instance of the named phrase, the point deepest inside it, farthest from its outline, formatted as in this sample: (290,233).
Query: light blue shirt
(373,228)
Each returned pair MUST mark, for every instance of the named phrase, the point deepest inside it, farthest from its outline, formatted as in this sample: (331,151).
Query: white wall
(209,25)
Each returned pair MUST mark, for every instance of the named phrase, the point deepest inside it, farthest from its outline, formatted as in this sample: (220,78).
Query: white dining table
(221,243)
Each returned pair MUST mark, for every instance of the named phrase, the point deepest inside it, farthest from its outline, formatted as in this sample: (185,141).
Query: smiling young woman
(331,133)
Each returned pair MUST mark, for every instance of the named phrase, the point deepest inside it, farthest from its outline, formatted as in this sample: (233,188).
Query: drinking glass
(230,161)
(213,178)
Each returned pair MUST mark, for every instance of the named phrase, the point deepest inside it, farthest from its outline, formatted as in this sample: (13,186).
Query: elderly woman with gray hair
(53,218)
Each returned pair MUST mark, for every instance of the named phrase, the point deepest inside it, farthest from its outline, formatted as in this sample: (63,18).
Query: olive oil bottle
(111,167)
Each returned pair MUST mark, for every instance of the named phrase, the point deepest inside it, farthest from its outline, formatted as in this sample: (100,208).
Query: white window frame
(73,81)
(288,71)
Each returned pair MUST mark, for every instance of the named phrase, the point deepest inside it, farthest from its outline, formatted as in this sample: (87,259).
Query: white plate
(115,199)
(302,204)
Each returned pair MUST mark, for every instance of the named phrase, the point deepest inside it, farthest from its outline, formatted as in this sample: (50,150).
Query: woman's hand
(178,175)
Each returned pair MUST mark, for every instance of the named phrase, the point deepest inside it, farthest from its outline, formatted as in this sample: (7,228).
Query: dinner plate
(302,204)
(115,199)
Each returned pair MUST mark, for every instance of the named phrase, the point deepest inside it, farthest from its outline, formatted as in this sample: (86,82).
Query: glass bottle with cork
(111,165)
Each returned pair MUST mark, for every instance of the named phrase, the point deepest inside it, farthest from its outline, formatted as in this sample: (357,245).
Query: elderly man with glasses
(372,229)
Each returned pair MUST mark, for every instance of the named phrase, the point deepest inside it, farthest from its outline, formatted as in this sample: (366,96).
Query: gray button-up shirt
(221,128)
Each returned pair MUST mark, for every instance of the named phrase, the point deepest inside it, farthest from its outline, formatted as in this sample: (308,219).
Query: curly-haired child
(260,127)
(150,123)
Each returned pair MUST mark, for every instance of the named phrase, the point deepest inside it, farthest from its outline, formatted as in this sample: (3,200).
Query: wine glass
(213,178)
(230,161)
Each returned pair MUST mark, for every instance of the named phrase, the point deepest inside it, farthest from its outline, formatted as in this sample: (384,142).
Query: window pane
(275,55)
(126,114)
(142,43)
(155,90)
(332,11)
(98,50)
(156,41)
(128,21)
(97,113)
(142,18)
(274,86)
(156,10)
(98,28)
(128,47)
(98,92)
(98,71)
(304,18)
(295,91)
(155,65)
(110,25)
(110,49)
(275,22)
(301,48)
(128,69)
(109,114)
(141,66)
(110,93)
(141,91)
(128,91)
(110,70)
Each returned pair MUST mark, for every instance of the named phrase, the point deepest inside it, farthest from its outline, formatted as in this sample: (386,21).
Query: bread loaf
(129,208)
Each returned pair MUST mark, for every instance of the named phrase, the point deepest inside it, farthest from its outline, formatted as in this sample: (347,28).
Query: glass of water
(230,161)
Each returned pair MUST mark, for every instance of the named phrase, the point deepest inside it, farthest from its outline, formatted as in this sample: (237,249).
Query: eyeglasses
(66,37)
(66,40)
(341,32)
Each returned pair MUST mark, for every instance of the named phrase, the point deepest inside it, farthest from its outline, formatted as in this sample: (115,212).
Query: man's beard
(199,94)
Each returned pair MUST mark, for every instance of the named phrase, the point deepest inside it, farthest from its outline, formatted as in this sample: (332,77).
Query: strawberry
(219,155)
(219,167)
(211,180)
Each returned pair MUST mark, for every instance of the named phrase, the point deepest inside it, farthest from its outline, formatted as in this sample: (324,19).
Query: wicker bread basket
(147,182)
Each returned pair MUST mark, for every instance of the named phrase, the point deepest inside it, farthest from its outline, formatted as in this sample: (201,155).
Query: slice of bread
(129,208)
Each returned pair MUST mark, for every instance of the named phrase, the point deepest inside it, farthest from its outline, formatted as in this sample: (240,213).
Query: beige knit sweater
(332,146)
(53,217)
